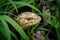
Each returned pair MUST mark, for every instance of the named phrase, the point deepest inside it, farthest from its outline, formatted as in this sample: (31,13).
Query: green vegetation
(7,6)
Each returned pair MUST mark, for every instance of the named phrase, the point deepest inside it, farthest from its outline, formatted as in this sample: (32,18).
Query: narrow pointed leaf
(16,26)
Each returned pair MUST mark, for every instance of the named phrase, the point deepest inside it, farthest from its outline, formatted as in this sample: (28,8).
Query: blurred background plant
(51,26)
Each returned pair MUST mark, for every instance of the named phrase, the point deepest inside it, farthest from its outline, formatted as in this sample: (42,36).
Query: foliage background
(8,6)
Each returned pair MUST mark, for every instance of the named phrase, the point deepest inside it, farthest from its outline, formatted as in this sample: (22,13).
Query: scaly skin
(27,19)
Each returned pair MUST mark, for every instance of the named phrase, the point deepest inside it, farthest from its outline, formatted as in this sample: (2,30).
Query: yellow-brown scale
(27,19)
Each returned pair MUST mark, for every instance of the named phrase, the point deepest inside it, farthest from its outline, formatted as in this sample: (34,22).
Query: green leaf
(57,25)
(2,31)
(5,26)
(14,5)
(29,5)
(32,30)
(16,26)
(28,1)
(54,22)
(58,34)
(20,4)
(44,29)
(14,35)
(4,12)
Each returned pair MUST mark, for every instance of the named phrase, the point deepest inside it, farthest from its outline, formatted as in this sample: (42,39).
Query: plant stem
(58,34)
